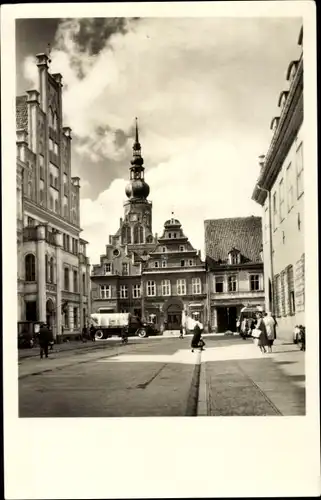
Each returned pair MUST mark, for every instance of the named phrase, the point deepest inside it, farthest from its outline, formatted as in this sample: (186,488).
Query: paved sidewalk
(238,380)
(66,346)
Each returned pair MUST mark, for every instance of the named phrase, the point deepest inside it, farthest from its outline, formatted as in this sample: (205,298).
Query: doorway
(50,312)
(226,319)
(174,317)
(31,311)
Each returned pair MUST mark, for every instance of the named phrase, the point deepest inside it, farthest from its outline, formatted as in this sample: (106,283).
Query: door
(222,319)
(174,317)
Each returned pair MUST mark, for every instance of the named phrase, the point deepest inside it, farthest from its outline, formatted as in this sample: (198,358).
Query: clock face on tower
(133,217)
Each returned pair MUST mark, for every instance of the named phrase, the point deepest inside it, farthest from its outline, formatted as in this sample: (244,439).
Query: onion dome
(137,189)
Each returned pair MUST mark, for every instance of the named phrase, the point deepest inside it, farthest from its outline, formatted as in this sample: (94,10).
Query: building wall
(287,240)
(50,209)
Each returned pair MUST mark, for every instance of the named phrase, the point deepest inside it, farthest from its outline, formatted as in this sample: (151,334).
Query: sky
(204,91)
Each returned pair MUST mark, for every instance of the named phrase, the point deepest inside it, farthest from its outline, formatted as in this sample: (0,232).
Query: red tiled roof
(243,233)
(21,112)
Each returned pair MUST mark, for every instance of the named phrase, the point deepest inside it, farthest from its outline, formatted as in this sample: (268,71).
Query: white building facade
(53,270)
(280,191)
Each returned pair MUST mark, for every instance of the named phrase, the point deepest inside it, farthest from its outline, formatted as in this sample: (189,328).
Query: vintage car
(116,324)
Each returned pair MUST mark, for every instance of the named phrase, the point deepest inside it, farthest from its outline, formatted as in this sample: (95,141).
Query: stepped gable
(243,233)
(21,113)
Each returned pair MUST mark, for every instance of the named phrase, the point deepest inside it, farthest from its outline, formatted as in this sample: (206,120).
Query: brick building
(154,278)
(52,265)
(280,192)
(233,250)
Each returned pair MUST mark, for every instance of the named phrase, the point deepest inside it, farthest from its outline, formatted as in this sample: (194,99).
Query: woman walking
(270,324)
(263,341)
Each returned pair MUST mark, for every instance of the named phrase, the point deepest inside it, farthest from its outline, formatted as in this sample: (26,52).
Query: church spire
(137,154)
(137,187)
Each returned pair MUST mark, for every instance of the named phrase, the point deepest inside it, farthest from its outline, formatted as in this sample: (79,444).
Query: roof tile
(243,233)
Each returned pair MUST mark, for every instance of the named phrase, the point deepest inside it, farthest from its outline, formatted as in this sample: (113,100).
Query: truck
(116,324)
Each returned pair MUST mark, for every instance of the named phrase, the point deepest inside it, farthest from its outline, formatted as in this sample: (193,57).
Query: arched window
(138,234)
(126,234)
(51,270)
(30,267)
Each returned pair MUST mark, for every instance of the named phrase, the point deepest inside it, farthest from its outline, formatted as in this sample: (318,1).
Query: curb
(202,393)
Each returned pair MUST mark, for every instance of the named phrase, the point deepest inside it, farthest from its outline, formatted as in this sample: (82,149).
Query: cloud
(204,90)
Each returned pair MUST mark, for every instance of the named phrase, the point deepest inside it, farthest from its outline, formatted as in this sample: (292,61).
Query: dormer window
(274,123)
(234,257)
(182,263)
(107,268)
(164,249)
(282,99)
(156,263)
(182,248)
(174,235)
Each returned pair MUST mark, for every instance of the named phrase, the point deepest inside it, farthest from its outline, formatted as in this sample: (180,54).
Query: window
(56,150)
(174,235)
(290,288)
(66,278)
(66,319)
(277,292)
(42,197)
(107,268)
(281,200)
(123,291)
(138,234)
(68,242)
(164,263)
(75,280)
(231,283)
(164,249)
(51,202)
(84,283)
(156,263)
(46,269)
(275,211)
(219,284)
(166,287)
(56,206)
(234,258)
(299,170)
(105,291)
(254,282)
(30,222)
(191,262)
(75,317)
(125,268)
(182,263)
(151,288)
(50,145)
(282,293)
(289,185)
(169,235)
(51,180)
(196,286)
(182,248)
(136,292)
(51,270)
(30,267)
(181,287)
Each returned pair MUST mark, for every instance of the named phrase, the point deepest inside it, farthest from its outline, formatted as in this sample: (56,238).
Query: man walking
(45,337)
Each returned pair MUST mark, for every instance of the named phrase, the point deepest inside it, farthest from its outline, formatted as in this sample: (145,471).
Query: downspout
(271,247)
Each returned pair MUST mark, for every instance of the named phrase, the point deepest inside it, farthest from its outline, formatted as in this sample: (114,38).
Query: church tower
(137,225)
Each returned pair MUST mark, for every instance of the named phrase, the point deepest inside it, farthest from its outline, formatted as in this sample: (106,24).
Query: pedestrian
(262,340)
(238,324)
(196,337)
(84,333)
(93,333)
(244,328)
(270,324)
(45,336)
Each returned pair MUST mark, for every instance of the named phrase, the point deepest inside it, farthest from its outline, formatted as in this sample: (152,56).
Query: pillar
(42,63)
(41,274)
(59,281)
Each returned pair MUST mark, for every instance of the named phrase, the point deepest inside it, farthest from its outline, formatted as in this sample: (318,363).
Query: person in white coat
(270,324)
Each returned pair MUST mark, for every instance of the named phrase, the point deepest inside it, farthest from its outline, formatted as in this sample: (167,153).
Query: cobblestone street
(162,377)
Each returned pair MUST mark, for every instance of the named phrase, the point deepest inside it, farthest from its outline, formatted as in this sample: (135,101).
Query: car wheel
(142,333)
(99,335)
